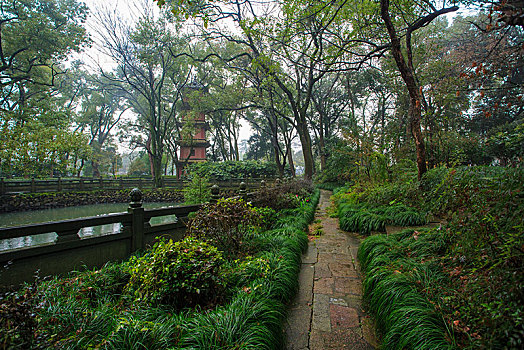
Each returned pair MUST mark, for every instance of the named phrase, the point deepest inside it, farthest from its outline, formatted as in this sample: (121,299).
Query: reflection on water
(47,215)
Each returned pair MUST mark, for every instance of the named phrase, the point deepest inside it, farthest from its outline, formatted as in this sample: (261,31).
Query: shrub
(398,272)
(91,309)
(283,196)
(225,224)
(267,216)
(223,171)
(182,274)
(17,319)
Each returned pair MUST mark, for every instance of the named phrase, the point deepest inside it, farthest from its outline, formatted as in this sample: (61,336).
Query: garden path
(327,312)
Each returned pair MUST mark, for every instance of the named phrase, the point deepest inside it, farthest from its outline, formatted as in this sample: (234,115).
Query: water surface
(57,214)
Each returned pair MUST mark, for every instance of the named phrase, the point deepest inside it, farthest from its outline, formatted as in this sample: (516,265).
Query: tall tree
(149,77)
(102,109)
(413,19)
(294,43)
(34,37)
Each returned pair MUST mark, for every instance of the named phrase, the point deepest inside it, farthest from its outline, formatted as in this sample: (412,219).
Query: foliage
(364,218)
(397,277)
(197,191)
(17,320)
(98,308)
(267,216)
(223,171)
(467,270)
(37,149)
(249,322)
(36,36)
(283,195)
(140,165)
(226,224)
(182,274)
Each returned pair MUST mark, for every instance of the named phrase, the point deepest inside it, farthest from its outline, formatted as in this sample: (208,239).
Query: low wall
(69,252)
(36,201)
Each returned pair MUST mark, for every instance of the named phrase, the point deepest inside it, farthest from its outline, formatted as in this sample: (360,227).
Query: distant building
(193,148)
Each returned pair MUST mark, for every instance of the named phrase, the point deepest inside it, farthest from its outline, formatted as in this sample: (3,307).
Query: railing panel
(63,226)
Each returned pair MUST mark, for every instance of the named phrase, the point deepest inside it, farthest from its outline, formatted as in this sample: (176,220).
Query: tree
(149,77)
(294,44)
(422,17)
(102,110)
(34,37)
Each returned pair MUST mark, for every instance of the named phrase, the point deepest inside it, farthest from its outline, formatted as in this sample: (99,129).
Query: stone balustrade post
(215,194)
(59,184)
(137,220)
(33,185)
(242,190)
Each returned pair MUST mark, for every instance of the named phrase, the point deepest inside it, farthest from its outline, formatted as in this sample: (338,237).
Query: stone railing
(90,184)
(69,252)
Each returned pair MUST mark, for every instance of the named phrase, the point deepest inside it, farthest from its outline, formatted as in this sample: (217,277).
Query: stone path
(327,312)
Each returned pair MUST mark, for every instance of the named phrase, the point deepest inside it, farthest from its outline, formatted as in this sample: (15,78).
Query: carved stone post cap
(215,190)
(136,198)
(243,186)
(262,183)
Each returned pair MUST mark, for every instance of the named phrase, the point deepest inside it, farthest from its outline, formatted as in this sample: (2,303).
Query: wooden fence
(88,184)
(69,252)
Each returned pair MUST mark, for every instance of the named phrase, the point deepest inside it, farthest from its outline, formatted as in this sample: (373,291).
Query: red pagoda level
(193,148)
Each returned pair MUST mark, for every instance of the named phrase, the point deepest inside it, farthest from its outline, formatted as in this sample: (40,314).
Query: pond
(57,214)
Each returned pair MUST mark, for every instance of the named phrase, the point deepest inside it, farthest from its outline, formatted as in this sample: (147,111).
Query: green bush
(365,218)
(222,171)
(267,216)
(182,274)
(283,195)
(398,272)
(225,224)
(468,273)
(98,309)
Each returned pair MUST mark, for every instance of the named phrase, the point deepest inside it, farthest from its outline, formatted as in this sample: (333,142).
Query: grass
(394,280)
(456,286)
(365,218)
(91,309)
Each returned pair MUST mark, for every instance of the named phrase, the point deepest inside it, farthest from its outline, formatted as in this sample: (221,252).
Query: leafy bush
(469,271)
(283,195)
(182,274)
(267,216)
(222,171)
(98,309)
(248,322)
(225,224)
(17,319)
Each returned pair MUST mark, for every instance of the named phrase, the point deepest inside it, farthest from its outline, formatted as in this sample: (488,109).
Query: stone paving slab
(336,319)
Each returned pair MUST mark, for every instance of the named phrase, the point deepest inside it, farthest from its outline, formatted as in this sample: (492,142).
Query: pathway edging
(327,312)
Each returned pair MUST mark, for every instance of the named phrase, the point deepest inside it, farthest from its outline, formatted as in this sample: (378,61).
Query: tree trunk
(290,161)
(309,163)
(408,75)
